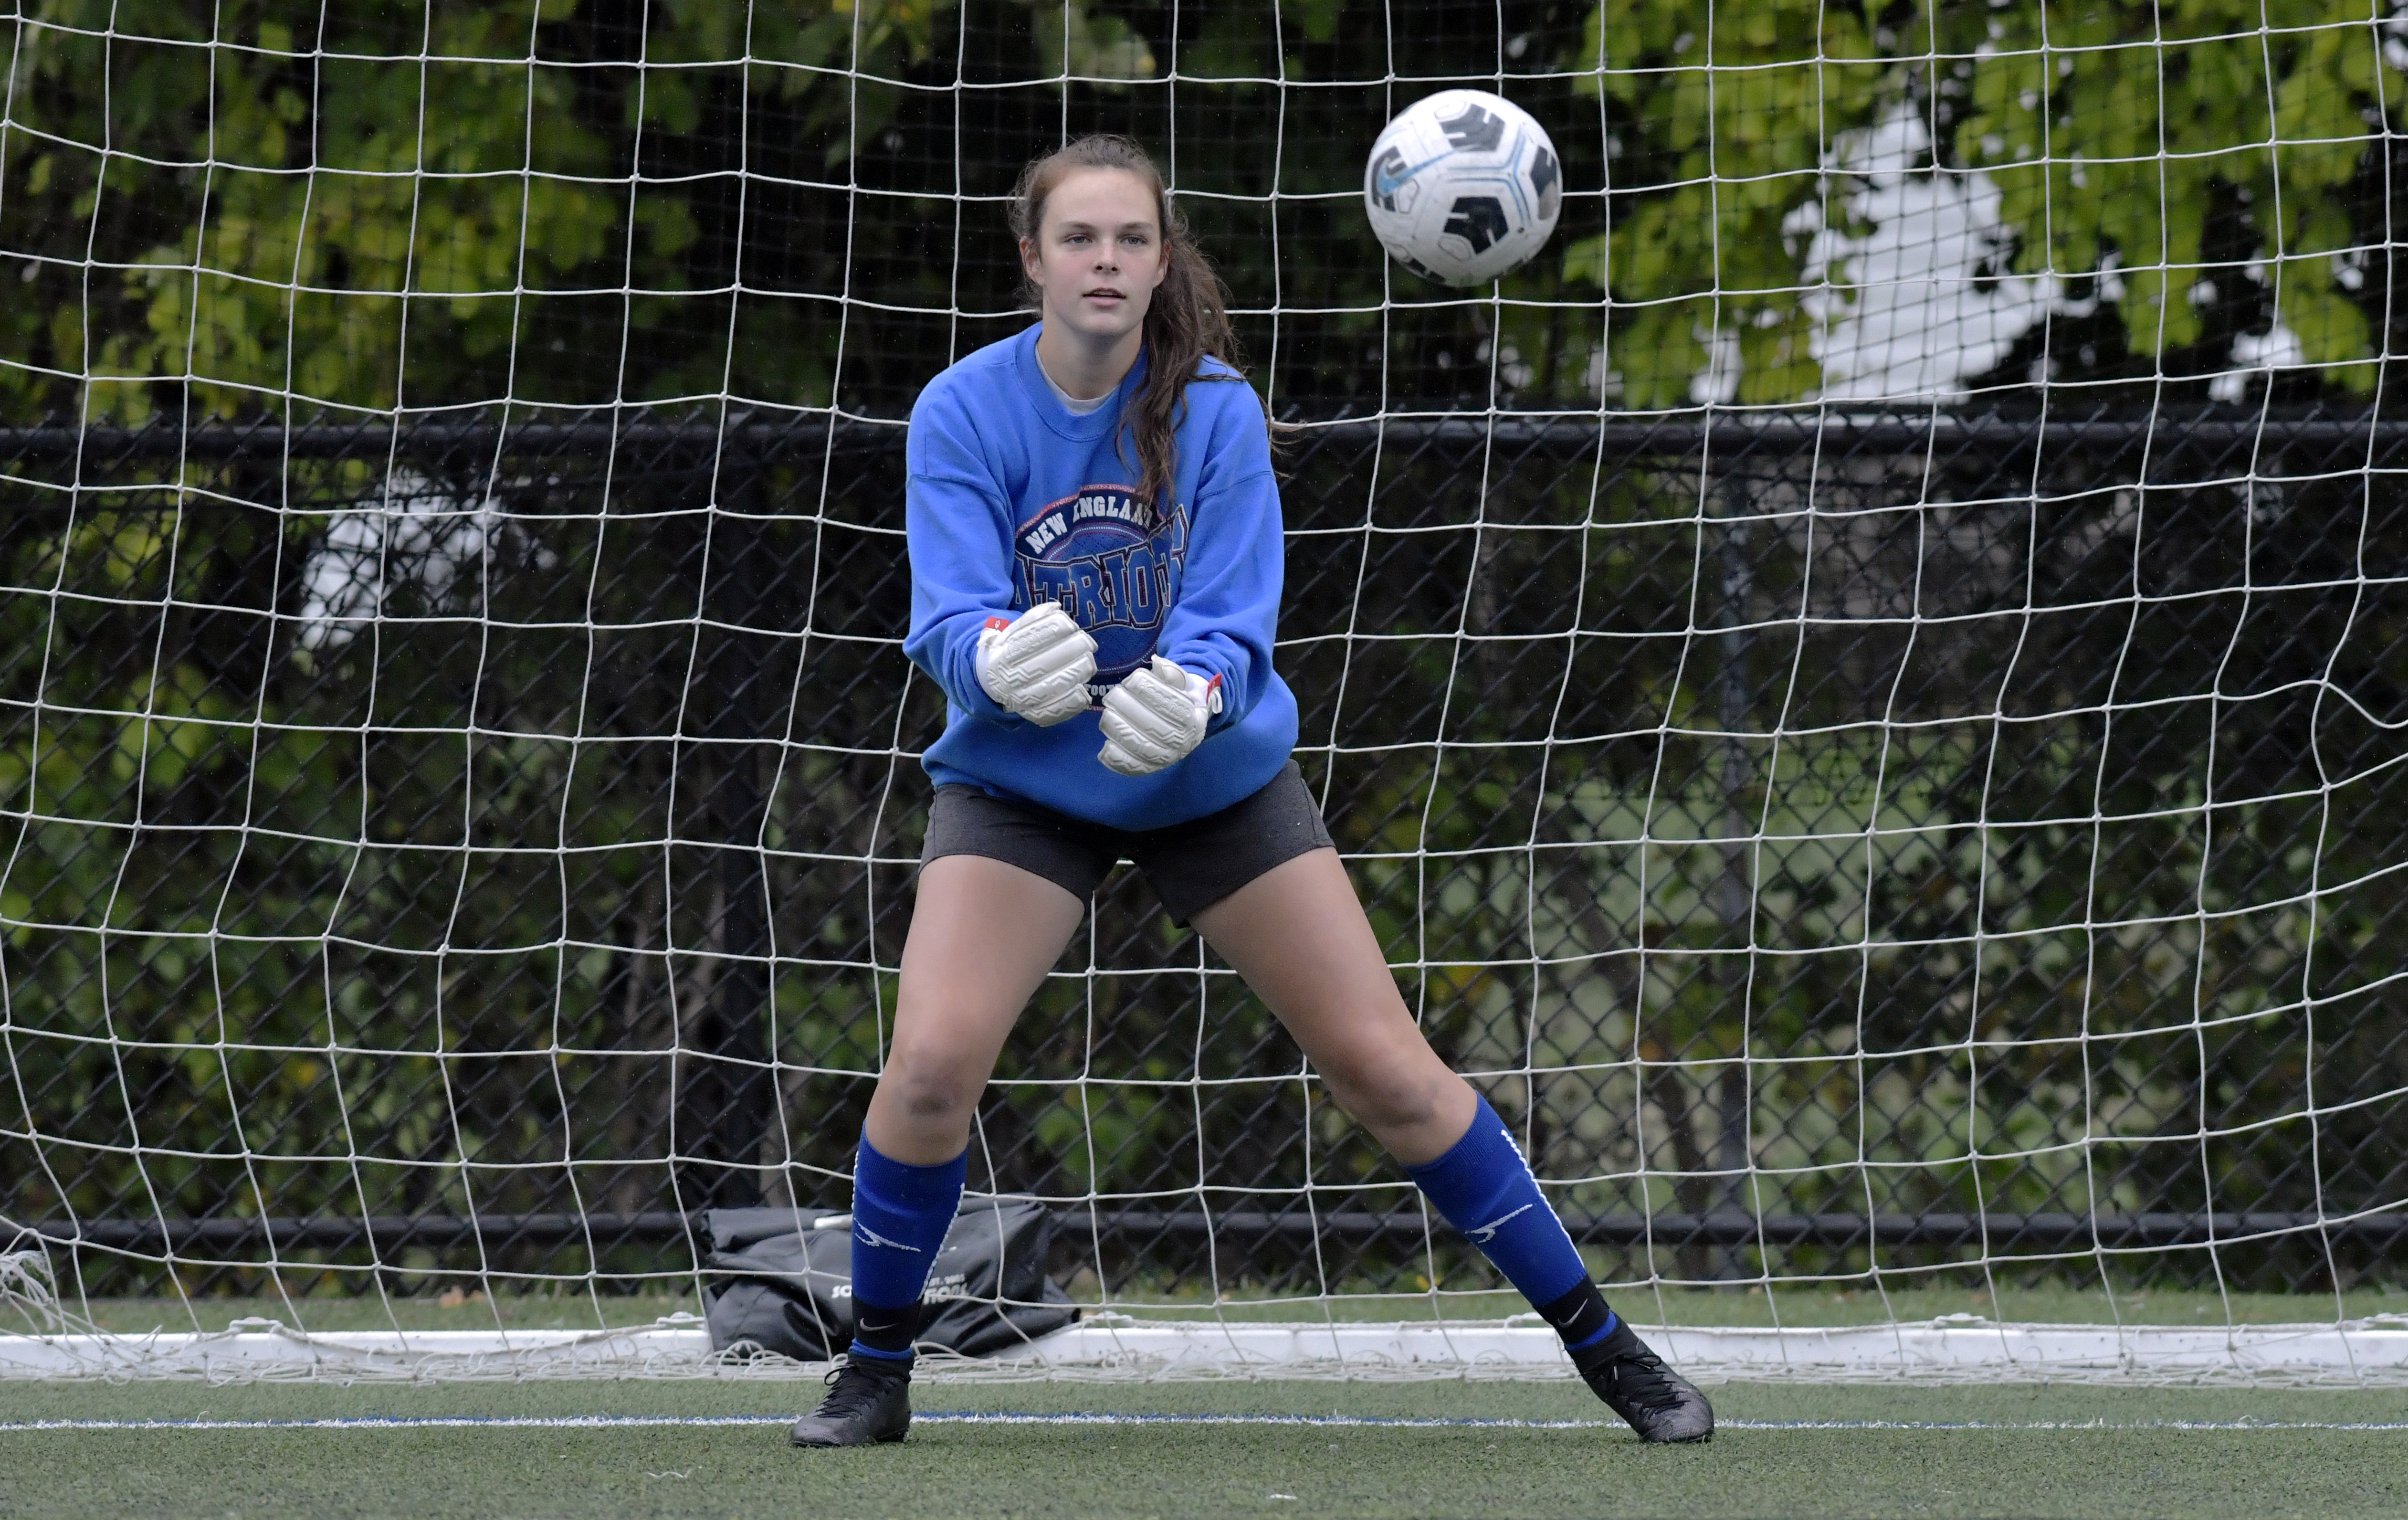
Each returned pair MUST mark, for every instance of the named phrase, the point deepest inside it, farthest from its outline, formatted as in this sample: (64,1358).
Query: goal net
(1863,689)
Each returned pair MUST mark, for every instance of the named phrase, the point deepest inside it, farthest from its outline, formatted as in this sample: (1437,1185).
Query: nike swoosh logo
(869,1237)
(1386,183)
(1487,1232)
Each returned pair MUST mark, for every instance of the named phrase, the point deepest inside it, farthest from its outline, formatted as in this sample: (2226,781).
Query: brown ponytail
(1189,316)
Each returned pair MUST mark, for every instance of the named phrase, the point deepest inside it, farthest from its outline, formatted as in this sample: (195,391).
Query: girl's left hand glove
(1156,717)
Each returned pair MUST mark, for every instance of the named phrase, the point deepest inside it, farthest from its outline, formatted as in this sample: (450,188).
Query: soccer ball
(1463,186)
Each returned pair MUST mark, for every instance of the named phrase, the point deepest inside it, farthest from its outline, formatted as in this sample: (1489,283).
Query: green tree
(2172,159)
(558,200)
(410,209)
(1732,110)
(2118,132)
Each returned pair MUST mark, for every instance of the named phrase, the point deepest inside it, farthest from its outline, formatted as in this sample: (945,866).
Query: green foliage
(1729,111)
(367,228)
(419,206)
(2140,148)
(2115,129)
(252,210)
(1075,42)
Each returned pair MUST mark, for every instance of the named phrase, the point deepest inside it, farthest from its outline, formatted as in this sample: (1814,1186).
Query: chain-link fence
(480,845)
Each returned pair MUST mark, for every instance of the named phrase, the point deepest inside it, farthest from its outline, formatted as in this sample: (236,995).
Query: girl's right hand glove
(1038,664)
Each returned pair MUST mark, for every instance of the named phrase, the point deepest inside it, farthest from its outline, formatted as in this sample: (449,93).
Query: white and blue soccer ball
(1463,186)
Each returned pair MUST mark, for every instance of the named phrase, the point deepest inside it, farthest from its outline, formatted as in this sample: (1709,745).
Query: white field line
(618,1422)
(1112,1347)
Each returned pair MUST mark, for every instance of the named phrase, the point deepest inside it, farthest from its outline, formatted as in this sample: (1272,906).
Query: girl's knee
(1405,1097)
(929,1089)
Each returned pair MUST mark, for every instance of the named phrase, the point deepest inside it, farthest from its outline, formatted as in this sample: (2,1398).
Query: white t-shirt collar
(1071,403)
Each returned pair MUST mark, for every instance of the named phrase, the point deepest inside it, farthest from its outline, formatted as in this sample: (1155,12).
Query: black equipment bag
(790,1291)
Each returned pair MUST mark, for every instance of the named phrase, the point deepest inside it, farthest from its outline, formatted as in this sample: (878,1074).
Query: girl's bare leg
(1298,935)
(983,935)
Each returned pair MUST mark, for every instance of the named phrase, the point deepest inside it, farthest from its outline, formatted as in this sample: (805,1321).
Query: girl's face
(1098,257)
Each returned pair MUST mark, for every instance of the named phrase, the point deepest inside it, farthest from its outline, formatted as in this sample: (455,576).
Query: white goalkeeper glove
(1156,716)
(1038,664)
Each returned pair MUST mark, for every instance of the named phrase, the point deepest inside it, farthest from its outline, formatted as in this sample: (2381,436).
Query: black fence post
(1735,896)
(728,1094)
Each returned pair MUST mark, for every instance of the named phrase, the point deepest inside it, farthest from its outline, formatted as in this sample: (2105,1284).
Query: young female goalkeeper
(1096,557)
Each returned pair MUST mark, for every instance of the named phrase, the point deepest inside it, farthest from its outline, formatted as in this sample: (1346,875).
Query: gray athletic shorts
(1191,865)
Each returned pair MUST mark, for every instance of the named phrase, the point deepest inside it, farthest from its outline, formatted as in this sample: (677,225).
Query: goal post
(1861,689)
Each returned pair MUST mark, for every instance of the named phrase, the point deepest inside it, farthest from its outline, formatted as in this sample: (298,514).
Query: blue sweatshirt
(1012,498)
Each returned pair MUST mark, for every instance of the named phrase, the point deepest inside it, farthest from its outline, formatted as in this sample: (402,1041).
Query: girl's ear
(1029,258)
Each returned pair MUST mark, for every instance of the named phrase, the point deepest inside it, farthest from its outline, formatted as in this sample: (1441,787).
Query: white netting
(1863,689)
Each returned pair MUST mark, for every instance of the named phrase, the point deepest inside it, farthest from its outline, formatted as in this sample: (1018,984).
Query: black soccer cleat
(1660,1403)
(868,1401)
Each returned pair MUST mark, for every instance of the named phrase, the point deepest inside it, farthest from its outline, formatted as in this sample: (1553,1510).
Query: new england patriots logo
(1112,562)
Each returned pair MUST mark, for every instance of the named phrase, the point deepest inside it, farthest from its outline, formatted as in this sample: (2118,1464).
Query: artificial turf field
(1783,1451)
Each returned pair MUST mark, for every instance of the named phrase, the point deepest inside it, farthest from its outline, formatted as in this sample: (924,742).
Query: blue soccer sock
(1485,1190)
(900,1214)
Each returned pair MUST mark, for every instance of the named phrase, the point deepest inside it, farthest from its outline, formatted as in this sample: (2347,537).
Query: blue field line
(617,1421)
